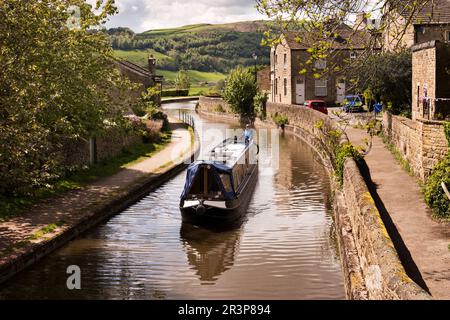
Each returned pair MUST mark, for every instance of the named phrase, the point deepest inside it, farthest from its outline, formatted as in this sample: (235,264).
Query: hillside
(201,47)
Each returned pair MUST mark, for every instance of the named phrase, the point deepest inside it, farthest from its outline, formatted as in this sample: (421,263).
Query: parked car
(353,103)
(318,105)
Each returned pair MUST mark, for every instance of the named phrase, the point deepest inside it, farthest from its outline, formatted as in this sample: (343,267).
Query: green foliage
(447,132)
(56,83)
(434,193)
(220,85)
(218,108)
(183,81)
(175,93)
(280,120)
(387,77)
(259,103)
(342,152)
(198,47)
(239,91)
(77,179)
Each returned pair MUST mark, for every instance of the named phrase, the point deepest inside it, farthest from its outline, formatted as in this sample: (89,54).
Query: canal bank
(285,248)
(370,262)
(29,237)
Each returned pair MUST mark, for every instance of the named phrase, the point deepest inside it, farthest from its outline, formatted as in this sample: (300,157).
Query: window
(276,58)
(285,86)
(320,64)
(321,88)
(447,36)
(276,86)
(285,60)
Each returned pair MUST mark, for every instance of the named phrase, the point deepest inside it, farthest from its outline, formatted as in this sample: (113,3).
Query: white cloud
(142,15)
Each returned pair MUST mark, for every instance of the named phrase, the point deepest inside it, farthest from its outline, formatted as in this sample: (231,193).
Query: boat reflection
(210,252)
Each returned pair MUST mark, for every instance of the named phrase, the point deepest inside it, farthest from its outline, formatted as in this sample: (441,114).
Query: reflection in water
(285,248)
(210,252)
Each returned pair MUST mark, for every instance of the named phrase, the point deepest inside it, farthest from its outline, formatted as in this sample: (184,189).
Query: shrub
(259,103)
(240,89)
(280,120)
(218,108)
(342,152)
(434,193)
(182,81)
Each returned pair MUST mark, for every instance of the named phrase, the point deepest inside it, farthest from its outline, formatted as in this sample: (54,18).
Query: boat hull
(234,212)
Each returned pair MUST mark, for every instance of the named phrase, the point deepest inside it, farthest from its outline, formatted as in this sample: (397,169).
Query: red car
(318,105)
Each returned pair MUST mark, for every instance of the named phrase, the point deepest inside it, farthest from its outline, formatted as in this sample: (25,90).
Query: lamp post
(255,57)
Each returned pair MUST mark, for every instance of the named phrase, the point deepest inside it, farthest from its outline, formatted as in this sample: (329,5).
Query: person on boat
(248,134)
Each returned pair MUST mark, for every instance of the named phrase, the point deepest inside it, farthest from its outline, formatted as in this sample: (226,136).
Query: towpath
(24,233)
(422,243)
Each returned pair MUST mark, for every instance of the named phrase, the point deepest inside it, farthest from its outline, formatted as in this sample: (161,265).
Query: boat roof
(228,152)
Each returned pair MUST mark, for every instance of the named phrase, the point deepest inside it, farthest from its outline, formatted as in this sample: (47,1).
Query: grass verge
(11,206)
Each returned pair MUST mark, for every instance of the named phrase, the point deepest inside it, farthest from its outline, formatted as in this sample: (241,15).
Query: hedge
(175,93)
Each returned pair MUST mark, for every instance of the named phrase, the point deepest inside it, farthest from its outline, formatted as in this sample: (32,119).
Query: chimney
(152,64)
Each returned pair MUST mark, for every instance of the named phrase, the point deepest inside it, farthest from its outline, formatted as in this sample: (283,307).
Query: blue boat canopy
(216,169)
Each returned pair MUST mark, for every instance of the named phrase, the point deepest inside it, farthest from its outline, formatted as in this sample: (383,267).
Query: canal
(285,249)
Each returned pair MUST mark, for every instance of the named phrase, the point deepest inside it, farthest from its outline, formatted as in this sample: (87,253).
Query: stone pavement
(24,232)
(422,243)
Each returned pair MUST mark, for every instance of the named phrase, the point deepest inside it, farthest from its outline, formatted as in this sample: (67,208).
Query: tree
(240,89)
(388,78)
(182,81)
(323,26)
(58,82)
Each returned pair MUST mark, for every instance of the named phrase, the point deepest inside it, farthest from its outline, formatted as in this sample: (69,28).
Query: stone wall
(421,143)
(372,268)
(75,153)
(381,276)
(263,79)
(214,105)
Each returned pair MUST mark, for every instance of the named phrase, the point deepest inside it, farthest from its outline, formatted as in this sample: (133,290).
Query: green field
(139,57)
(196,76)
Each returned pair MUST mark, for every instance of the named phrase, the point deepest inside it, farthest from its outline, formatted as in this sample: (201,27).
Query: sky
(143,15)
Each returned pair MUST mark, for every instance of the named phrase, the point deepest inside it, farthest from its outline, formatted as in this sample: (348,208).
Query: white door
(340,92)
(300,90)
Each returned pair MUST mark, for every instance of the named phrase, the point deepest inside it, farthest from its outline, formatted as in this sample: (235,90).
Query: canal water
(285,249)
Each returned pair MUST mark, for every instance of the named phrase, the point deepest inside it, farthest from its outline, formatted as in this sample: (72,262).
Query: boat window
(226,181)
(205,186)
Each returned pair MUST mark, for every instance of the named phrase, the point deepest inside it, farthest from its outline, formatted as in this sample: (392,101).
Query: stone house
(146,77)
(407,27)
(294,78)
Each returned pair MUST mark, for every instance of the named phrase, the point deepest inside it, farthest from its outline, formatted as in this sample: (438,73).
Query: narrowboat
(219,188)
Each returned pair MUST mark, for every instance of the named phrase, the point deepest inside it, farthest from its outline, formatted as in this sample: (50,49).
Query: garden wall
(421,143)
(372,268)
(75,153)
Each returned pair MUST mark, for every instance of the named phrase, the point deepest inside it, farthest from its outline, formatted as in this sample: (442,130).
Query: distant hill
(201,47)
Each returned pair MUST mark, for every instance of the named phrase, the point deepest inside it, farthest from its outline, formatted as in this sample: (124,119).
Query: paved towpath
(422,243)
(20,233)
